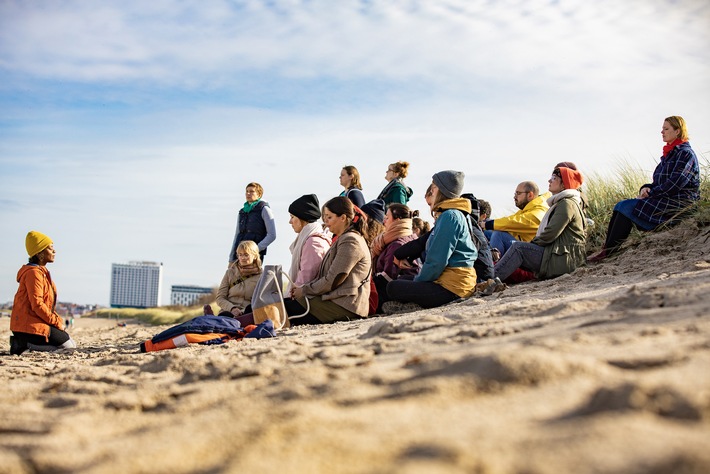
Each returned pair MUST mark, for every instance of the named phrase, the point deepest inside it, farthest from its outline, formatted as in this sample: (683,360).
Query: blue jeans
(520,255)
(499,239)
(426,294)
(626,208)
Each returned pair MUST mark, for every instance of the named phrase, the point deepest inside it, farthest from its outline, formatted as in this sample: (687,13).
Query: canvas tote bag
(267,302)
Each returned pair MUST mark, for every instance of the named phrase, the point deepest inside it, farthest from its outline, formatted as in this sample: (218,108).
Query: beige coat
(235,291)
(344,275)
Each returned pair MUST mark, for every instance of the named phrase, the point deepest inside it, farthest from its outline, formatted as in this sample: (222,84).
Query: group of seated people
(366,255)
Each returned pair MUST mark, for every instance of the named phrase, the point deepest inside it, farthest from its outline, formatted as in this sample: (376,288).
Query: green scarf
(248,206)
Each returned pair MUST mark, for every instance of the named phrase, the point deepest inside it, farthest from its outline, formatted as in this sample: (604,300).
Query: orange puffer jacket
(33,310)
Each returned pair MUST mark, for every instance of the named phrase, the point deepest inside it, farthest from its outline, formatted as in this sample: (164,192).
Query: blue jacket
(450,243)
(676,185)
(217,325)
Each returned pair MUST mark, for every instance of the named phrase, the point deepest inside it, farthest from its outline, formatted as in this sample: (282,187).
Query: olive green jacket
(564,239)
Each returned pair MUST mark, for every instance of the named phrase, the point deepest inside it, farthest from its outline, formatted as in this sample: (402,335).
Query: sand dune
(604,370)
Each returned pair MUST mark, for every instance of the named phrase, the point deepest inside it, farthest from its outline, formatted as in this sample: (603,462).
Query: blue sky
(129,129)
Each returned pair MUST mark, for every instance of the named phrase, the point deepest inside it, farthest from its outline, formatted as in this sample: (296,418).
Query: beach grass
(603,191)
(156,316)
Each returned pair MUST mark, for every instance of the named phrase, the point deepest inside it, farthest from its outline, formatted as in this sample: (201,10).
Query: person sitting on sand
(675,187)
(341,290)
(447,273)
(239,281)
(398,231)
(311,244)
(559,245)
(420,226)
(484,212)
(352,188)
(521,226)
(396,191)
(255,222)
(34,321)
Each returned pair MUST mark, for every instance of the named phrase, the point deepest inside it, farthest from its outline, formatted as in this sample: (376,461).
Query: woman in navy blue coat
(676,186)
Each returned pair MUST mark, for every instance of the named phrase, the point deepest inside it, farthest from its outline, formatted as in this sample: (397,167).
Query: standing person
(396,191)
(34,321)
(447,273)
(311,244)
(559,245)
(255,222)
(352,187)
(239,281)
(675,186)
(398,231)
(522,225)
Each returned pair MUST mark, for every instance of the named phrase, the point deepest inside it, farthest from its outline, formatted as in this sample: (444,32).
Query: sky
(129,129)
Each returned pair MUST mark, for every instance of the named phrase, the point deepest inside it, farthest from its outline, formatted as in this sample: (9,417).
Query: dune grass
(605,190)
(156,316)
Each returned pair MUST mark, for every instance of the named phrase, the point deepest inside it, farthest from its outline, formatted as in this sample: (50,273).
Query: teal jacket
(450,243)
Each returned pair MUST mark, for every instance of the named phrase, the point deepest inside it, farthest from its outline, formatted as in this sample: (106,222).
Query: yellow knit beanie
(35,242)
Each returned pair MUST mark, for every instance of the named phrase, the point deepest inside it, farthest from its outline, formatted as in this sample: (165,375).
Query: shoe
(207,309)
(16,347)
(392,307)
(598,257)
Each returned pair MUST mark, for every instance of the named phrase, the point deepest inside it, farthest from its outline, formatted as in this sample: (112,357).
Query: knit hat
(449,182)
(375,209)
(35,242)
(306,208)
(572,179)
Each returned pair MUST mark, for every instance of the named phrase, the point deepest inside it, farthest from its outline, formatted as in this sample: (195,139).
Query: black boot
(16,347)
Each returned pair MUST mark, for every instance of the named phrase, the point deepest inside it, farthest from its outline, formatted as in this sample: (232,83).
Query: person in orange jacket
(34,322)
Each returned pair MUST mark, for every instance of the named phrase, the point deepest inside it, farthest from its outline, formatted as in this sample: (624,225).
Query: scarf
(552,202)
(248,206)
(668,147)
(296,247)
(398,228)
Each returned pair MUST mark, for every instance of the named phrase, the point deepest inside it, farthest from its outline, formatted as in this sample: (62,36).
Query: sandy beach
(605,370)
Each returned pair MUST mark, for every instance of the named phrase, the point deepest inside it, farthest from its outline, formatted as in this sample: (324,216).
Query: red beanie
(572,179)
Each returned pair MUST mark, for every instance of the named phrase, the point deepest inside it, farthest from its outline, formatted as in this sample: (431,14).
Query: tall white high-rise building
(136,284)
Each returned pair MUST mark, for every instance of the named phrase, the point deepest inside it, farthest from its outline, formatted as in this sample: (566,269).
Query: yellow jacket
(523,224)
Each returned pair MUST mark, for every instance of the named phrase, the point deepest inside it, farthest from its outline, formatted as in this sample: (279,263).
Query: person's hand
(297,292)
(236,312)
(644,193)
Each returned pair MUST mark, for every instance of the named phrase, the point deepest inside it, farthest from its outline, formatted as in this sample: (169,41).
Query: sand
(603,370)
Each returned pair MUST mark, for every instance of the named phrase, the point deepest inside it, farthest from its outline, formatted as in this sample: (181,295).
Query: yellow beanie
(35,242)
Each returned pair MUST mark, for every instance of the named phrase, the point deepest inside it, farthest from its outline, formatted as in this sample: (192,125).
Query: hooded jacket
(523,224)
(33,310)
(396,191)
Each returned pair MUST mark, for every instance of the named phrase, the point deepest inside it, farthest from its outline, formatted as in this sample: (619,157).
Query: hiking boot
(16,347)
(207,309)
(392,307)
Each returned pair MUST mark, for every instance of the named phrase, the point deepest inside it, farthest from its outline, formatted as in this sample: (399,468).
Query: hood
(460,204)
(25,269)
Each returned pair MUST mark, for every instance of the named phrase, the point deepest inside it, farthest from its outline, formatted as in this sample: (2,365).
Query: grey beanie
(449,182)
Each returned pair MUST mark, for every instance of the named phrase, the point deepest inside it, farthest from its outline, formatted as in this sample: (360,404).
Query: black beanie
(306,208)
(375,209)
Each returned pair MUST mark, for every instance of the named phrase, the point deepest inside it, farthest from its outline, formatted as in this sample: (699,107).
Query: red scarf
(669,146)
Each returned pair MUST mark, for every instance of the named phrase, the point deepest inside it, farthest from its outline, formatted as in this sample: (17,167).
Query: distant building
(187,295)
(136,284)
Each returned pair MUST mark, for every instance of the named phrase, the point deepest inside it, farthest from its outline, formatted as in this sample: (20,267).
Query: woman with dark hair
(397,232)
(558,247)
(34,322)
(396,191)
(341,289)
(352,187)
(448,273)
(675,187)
